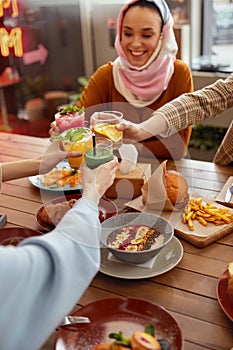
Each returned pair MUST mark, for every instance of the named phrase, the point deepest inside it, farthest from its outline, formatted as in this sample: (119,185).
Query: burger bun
(176,188)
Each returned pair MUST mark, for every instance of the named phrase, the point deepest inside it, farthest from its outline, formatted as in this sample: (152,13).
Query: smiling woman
(139,40)
(144,76)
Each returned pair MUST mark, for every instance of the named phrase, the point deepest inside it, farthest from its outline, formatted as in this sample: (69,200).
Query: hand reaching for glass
(97,181)
(54,154)
(104,123)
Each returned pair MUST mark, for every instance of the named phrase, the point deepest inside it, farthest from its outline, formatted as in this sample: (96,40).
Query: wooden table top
(188,291)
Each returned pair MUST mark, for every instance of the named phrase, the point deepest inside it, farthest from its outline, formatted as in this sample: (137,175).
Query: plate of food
(61,178)
(225,291)
(125,317)
(50,213)
(14,235)
(165,261)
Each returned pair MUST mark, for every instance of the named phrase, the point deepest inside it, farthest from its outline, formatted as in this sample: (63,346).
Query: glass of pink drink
(70,117)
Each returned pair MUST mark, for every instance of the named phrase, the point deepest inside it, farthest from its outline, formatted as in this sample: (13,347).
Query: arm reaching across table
(186,110)
(44,277)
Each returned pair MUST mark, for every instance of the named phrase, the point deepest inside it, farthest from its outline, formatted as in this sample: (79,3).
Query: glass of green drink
(101,152)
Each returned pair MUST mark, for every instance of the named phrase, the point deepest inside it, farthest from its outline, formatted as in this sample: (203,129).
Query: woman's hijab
(141,86)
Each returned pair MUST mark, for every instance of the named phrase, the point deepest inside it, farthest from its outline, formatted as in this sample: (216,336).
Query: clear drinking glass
(101,152)
(77,140)
(103,124)
(70,117)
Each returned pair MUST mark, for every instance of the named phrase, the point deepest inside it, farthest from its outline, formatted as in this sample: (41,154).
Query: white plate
(35,180)
(166,260)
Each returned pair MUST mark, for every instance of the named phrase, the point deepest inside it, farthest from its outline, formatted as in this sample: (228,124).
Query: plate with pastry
(53,211)
(122,323)
(225,291)
(15,235)
(61,178)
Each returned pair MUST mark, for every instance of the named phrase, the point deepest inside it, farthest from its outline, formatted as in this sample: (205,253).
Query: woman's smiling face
(141,30)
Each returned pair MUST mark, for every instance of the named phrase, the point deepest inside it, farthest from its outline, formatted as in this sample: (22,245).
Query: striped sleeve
(191,108)
(224,154)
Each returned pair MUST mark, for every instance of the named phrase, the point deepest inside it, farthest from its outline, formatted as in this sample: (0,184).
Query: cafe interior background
(55,45)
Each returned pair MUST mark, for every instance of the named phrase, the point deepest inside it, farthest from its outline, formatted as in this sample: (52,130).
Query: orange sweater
(101,94)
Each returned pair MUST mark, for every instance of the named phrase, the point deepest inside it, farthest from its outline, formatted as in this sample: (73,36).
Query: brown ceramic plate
(14,235)
(107,209)
(118,314)
(224,300)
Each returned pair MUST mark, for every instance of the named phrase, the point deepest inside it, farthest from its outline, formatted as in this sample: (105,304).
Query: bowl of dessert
(136,238)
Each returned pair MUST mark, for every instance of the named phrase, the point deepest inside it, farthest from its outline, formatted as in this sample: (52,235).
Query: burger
(177,188)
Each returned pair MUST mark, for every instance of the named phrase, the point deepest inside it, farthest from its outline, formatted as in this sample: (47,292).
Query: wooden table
(188,291)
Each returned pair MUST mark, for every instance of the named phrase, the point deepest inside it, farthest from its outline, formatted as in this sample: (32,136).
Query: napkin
(129,157)
(154,194)
(221,196)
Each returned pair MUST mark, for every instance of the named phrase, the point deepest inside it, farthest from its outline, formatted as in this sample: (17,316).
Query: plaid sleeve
(191,108)
(224,154)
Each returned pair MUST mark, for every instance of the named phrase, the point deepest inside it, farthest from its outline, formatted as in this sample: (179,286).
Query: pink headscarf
(143,85)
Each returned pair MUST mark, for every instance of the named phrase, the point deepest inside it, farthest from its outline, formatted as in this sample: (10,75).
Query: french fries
(61,177)
(204,213)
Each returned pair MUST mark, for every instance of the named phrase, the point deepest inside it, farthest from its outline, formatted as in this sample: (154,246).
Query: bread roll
(230,279)
(176,188)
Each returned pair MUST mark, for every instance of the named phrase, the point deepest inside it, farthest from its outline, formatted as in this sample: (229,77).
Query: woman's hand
(54,130)
(131,131)
(135,132)
(96,182)
(54,154)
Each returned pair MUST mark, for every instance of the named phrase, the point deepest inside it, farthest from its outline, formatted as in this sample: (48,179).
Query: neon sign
(5,4)
(12,39)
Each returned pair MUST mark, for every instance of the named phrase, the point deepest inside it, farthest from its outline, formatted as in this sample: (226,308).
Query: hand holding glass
(102,152)
(70,117)
(104,124)
(78,140)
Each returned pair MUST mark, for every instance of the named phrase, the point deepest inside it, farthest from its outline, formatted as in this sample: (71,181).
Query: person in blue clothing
(43,277)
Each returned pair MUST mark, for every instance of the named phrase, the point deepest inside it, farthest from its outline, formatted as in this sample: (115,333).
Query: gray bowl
(110,225)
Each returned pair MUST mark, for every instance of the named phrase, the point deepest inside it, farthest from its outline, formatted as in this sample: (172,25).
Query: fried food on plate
(205,212)
(61,177)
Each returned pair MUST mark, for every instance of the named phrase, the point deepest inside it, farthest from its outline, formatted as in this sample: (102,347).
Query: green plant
(34,85)
(82,81)
(206,137)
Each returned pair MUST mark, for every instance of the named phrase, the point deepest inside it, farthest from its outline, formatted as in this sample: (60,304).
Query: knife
(68,320)
(229,194)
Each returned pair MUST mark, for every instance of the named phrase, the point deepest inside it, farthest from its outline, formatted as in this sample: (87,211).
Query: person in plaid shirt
(188,109)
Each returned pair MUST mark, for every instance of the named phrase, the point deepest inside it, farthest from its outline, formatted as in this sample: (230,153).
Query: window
(217,40)
(180,10)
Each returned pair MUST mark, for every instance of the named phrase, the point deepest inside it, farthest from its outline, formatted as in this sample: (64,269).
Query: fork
(69,320)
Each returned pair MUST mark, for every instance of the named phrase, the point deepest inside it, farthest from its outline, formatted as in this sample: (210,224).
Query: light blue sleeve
(42,279)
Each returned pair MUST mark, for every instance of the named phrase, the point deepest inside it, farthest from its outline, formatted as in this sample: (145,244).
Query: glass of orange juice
(104,124)
(77,140)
